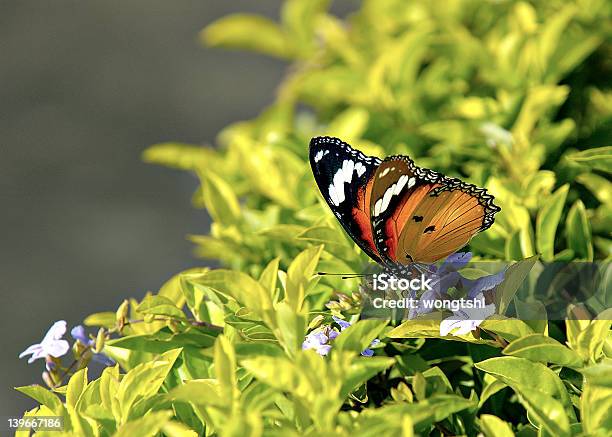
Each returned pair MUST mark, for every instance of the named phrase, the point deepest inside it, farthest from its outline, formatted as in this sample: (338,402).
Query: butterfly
(396,212)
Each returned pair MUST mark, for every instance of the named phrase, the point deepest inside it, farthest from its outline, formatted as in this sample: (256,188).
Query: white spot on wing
(377,207)
(360,169)
(343,175)
(399,185)
(320,154)
(395,189)
(387,198)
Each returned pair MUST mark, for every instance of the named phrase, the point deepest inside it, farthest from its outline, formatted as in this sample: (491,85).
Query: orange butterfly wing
(419,215)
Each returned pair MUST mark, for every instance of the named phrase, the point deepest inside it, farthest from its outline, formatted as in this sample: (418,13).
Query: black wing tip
(326,140)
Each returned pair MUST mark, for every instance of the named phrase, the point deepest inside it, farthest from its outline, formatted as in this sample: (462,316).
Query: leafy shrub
(512,96)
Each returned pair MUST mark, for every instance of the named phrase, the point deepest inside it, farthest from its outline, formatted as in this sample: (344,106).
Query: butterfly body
(397,212)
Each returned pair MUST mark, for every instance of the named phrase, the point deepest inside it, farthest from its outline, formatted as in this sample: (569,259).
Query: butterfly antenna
(343,275)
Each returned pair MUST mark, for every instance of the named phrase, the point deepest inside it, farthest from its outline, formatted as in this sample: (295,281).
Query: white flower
(52,344)
(465,320)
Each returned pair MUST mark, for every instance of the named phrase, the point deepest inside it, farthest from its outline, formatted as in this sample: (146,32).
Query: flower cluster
(463,320)
(321,338)
(78,333)
(53,346)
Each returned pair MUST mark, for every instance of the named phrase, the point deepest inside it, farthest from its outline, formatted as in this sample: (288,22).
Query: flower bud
(122,314)
(100,339)
(316,322)
(48,380)
(78,348)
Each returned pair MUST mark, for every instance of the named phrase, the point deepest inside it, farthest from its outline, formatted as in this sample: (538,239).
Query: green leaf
(596,399)
(540,98)
(239,286)
(43,397)
(543,349)
(148,425)
(269,276)
(362,369)
(588,338)
(225,367)
(172,288)
(265,368)
(492,426)
(596,158)
(419,386)
(436,409)
(200,391)
(359,335)
(512,248)
(545,411)
(300,18)
(76,385)
(520,373)
(105,319)
(221,202)
(416,329)
(177,429)
(332,238)
(599,186)
(599,374)
(547,222)
(283,232)
(291,328)
(595,407)
(516,372)
(491,385)
(181,156)
(300,274)
(437,381)
(349,124)
(161,306)
(248,32)
(144,380)
(514,277)
(109,385)
(164,341)
(578,231)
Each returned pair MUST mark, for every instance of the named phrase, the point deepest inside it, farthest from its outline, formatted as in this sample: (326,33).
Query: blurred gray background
(85,86)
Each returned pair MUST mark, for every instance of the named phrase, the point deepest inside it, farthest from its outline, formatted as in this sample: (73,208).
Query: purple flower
(52,344)
(455,262)
(483,283)
(367,352)
(319,340)
(448,277)
(341,322)
(78,333)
